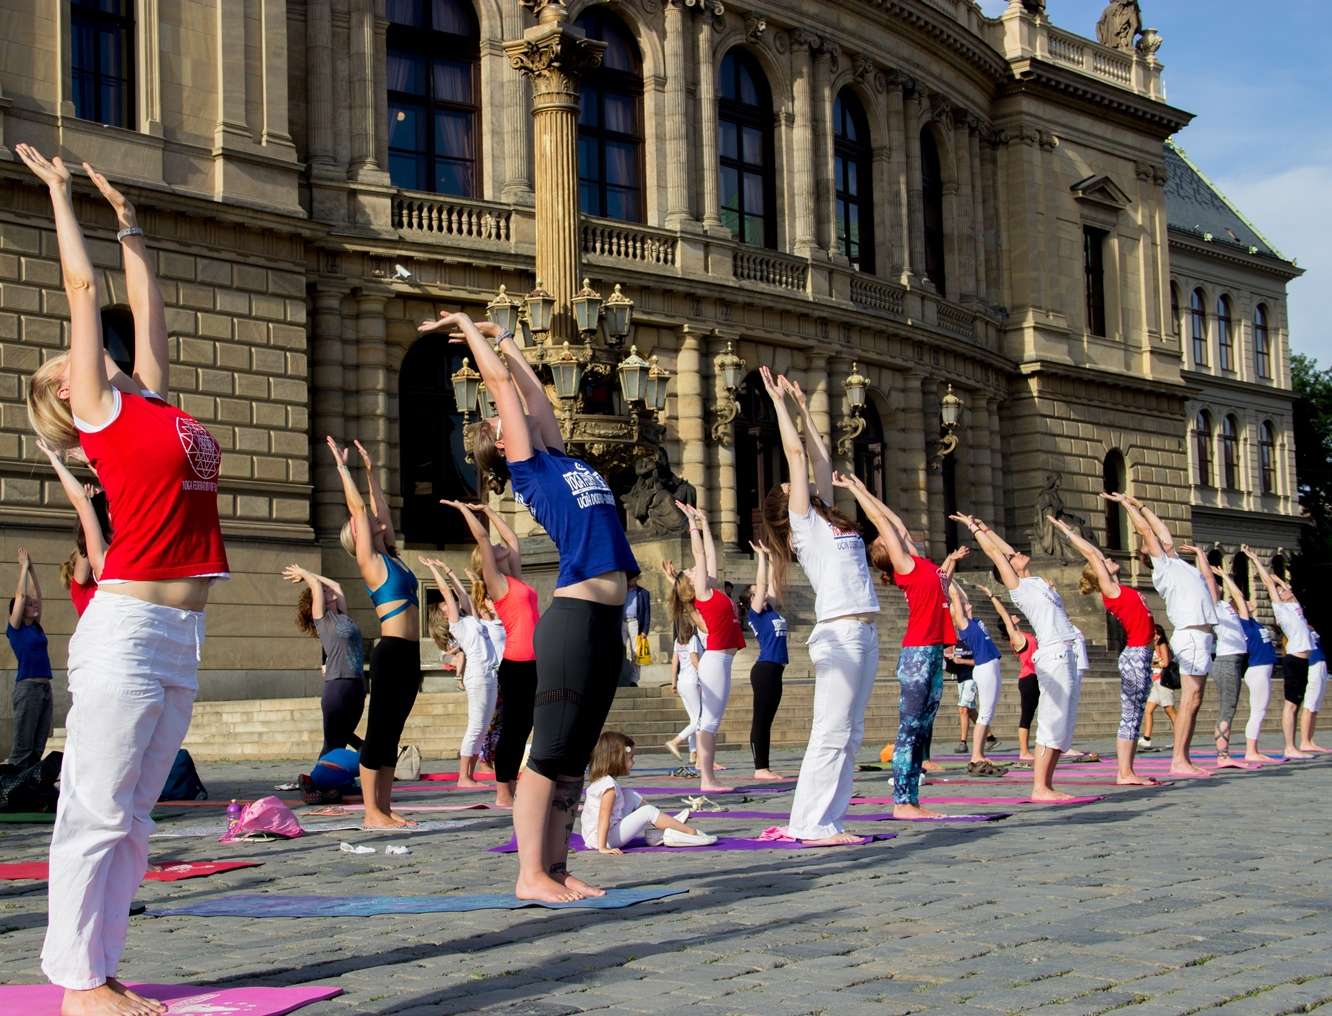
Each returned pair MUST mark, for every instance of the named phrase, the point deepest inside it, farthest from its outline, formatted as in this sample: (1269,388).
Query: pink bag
(262,819)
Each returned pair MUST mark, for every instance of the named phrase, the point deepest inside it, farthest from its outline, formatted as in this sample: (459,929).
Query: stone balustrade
(874,294)
(956,320)
(771,269)
(627,242)
(421,216)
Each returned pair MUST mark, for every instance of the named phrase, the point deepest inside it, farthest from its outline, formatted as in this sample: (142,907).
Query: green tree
(1313,470)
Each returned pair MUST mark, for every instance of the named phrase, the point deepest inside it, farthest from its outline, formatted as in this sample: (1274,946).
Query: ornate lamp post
(950,414)
(851,428)
(730,368)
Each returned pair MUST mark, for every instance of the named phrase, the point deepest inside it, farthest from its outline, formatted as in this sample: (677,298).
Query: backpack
(183,783)
(1170,676)
(32,788)
(409,763)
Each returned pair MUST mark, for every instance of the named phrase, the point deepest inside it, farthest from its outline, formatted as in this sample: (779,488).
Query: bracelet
(127,232)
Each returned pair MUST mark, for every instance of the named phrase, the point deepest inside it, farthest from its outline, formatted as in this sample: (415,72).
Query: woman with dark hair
(577,642)
(844,645)
(1299,646)
(1024,648)
(765,676)
(91,533)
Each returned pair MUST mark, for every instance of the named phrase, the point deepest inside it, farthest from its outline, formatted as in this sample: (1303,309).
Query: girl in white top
(844,645)
(480,668)
(1299,646)
(615,816)
(684,682)
(1190,600)
(1056,659)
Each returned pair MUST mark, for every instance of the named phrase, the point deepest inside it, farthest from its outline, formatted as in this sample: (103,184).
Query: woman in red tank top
(133,661)
(696,593)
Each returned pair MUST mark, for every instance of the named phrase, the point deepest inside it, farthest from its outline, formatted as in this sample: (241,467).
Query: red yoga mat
(167,871)
(453,777)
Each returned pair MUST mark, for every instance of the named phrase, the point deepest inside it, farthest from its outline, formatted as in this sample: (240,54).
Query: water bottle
(234,810)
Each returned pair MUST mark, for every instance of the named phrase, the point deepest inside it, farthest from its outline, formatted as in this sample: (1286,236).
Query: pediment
(1102,191)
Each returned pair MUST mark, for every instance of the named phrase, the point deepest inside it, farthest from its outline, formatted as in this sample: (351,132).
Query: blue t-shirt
(29,645)
(978,641)
(769,628)
(1261,651)
(1317,655)
(574,505)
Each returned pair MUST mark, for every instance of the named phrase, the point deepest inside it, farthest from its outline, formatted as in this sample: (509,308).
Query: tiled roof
(1194,204)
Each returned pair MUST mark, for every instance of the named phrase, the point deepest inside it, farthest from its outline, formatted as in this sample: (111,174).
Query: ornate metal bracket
(848,431)
(725,415)
(947,446)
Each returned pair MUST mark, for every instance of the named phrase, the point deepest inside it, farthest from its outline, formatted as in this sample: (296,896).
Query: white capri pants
(1259,682)
(986,676)
(481,694)
(1080,649)
(714,685)
(1313,691)
(632,826)
(133,675)
(1061,684)
(845,655)
(690,692)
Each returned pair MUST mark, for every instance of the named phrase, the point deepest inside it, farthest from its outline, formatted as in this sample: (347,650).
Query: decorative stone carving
(803,38)
(1120,25)
(1045,538)
(780,42)
(556,62)
(1148,43)
(754,27)
(862,68)
(713,7)
(651,500)
(1034,6)
(833,53)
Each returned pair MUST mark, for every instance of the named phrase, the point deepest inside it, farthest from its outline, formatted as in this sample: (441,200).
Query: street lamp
(586,308)
(540,309)
(856,385)
(567,373)
(466,388)
(503,311)
(657,380)
(950,414)
(633,371)
(730,368)
(619,312)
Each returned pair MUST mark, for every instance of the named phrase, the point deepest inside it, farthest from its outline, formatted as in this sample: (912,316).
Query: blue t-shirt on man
(1262,653)
(977,640)
(29,645)
(575,506)
(769,628)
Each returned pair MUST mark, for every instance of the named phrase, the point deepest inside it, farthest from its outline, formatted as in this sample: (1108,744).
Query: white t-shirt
(1188,600)
(625,800)
(1230,640)
(836,566)
(1296,629)
(471,638)
(494,629)
(1044,609)
(688,672)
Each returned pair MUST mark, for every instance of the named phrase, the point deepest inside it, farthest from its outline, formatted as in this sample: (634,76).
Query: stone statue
(651,500)
(1120,24)
(1034,6)
(1044,537)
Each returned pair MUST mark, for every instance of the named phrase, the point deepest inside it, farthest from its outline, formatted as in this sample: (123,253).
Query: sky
(1257,78)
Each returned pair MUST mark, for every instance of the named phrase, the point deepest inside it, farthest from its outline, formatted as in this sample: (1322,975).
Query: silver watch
(128,231)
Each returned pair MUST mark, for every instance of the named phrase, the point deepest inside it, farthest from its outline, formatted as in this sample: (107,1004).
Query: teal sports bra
(399,585)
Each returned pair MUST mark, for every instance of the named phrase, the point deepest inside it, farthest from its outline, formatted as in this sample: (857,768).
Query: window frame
(933,213)
(1262,342)
(1202,444)
(1230,459)
(859,153)
(606,81)
(1176,318)
(1267,447)
(1198,326)
(99,21)
(740,115)
(1225,334)
(1094,240)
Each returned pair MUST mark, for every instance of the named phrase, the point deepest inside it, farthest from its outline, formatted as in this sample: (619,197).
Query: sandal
(984,768)
(701,804)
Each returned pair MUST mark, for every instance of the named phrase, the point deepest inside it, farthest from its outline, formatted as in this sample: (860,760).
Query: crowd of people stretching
(150,548)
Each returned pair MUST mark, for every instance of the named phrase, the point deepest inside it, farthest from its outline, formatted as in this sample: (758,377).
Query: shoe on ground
(675,838)
(962,748)
(991,741)
(1144,742)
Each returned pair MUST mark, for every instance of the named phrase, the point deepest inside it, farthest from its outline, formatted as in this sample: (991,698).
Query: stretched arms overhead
(81,498)
(993,546)
(1089,550)
(1264,576)
(698,575)
(21,592)
(950,563)
(797,460)
(759,593)
(1151,541)
(497,585)
(508,537)
(1016,638)
(295,574)
(957,605)
(900,550)
(1205,568)
(1236,598)
(367,558)
(819,459)
(379,509)
(442,584)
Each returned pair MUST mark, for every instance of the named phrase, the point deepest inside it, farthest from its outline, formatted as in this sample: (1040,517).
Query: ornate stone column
(936,517)
(963,224)
(996,462)
(915,190)
(677,131)
(897,196)
(976,452)
(364,96)
(554,56)
(825,66)
(691,408)
(707,124)
(978,223)
(911,462)
(518,158)
(803,44)
(319,82)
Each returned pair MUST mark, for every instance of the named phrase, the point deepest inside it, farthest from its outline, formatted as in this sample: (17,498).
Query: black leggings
(1030,692)
(1296,671)
(578,657)
(342,703)
(766,680)
(395,678)
(517,689)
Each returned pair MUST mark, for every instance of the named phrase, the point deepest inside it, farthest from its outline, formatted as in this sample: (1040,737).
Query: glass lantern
(657,381)
(619,311)
(731,367)
(587,308)
(567,373)
(540,309)
(485,402)
(466,387)
(950,410)
(856,386)
(503,311)
(633,371)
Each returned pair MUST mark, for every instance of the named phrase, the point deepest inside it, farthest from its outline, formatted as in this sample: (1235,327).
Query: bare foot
(914,811)
(1051,797)
(1257,756)
(1134,780)
(719,767)
(503,795)
(1226,762)
(930,766)
(1293,753)
(153,1004)
(544,889)
(466,784)
(1187,769)
(104,1000)
(1315,749)
(768,774)
(839,840)
(674,749)
(584,889)
(715,788)
(1026,758)
(380,820)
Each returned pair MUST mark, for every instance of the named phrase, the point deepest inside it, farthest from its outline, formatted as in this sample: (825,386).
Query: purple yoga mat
(44,999)
(927,802)
(689,788)
(723,843)
(874,816)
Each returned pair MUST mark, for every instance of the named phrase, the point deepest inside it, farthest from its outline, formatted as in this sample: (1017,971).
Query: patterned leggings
(920,674)
(1135,684)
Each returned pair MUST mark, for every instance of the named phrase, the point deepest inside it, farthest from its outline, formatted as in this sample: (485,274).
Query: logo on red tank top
(200,448)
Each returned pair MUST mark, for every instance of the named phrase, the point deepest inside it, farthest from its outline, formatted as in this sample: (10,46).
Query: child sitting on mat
(614,816)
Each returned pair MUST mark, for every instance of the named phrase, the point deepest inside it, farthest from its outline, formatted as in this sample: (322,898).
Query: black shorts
(1295,669)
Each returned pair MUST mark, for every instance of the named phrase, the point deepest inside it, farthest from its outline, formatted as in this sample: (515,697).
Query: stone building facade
(940,198)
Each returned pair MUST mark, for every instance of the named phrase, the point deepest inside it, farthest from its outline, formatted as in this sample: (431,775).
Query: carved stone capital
(555,58)
(713,7)
(803,38)
(832,53)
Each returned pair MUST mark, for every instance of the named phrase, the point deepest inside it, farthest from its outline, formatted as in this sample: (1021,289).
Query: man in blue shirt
(637,621)
(32,689)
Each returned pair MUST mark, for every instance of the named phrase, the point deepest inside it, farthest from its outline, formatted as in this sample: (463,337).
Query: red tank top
(159,469)
(81,595)
(1130,610)
(519,613)
(719,615)
(1027,666)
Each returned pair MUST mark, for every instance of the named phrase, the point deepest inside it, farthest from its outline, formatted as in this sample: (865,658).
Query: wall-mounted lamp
(730,368)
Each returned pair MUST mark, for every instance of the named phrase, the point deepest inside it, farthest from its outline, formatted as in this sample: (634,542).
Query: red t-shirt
(718,612)
(1136,617)
(928,623)
(1026,664)
(159,468)
(81,595)
(519,612)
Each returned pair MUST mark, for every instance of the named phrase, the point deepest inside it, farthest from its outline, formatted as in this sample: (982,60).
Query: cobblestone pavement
(1212,896)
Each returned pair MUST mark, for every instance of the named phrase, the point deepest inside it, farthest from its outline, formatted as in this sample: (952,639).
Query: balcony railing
(637,245)
(433,215)
(1089,57)
(876,295)
(956,320)
(772,269)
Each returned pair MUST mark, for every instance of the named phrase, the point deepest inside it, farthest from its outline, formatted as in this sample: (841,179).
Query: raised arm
(295,574)
(758,593)
(950,563)
(1089,550)
(81,500)
(1158,527)
(796,460)
(1016,638)
(1264,575)
(709,548)
(1204,567)
(956,606)
(698,574)
(21,592)
(819,459)
(366,557)
(379,508)
(496,584)
(499,382)
(539,408)
(1151,542)
(900,551)
(1240,603)
(993,546)
(442,584)
(507,537)
(465,603)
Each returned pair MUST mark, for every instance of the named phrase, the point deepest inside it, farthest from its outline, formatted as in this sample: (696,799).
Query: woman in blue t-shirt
(32,686)
(765,677)
(577,642)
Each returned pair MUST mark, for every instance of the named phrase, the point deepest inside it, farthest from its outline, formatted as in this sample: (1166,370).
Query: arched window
(1278,565)
(1174,309)
(1262,347)
(748,182)
(1225,340)
(1267,456)
(931,182)
(1202,440)
(854,176)
(118,336)
(610,123)
(868,456)
(760,463)
(101,61)
(1114,480)
(433,83)
(1230,452)
(432,457)
(1198,326)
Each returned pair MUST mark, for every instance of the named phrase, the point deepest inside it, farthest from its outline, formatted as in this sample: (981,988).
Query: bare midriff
(609,589)
(180,594)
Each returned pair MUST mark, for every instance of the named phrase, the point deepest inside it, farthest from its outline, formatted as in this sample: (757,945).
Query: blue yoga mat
(276,905)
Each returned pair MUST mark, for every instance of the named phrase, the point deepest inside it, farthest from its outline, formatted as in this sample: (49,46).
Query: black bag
(183,783)
(32,788)
(1170,676)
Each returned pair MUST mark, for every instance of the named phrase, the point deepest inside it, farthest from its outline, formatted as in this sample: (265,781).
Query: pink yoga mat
(334,810)
(927,802)
(453,778)
(874,816)
(169,871)
(44,999)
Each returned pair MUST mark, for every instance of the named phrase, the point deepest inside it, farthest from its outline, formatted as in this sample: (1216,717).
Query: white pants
(845,655)
(714,687)
(632,826)
(133,675)
(1313,691)
(481,694)
(687,687)
(1193,650)
(1061,684)
(1259,682)
(986,676)
(1080,649)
